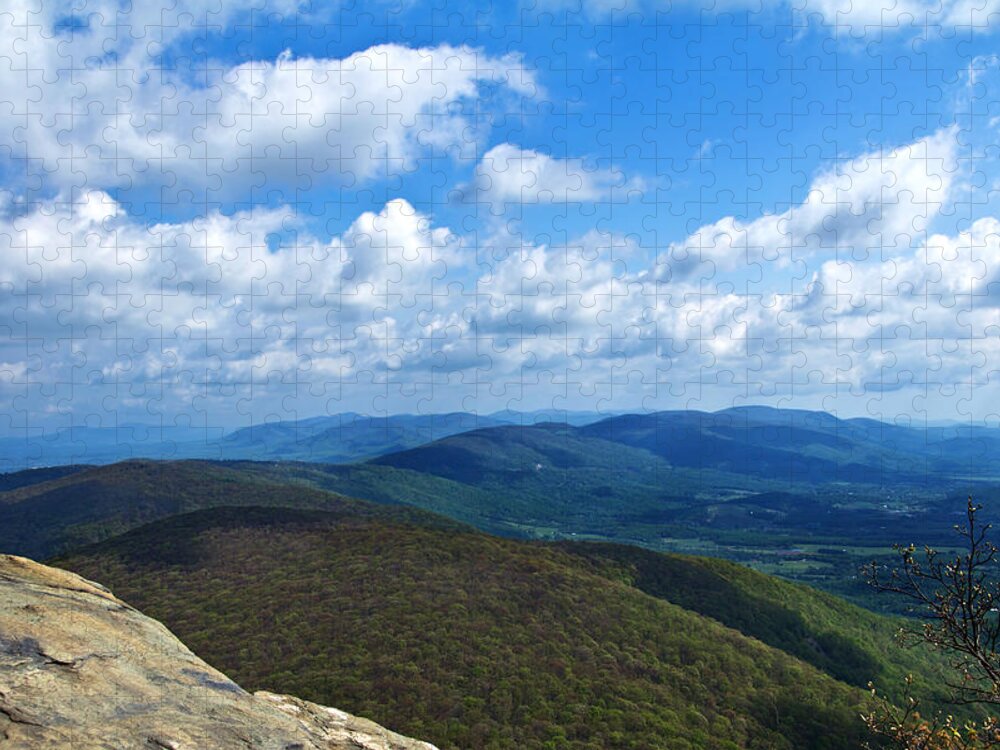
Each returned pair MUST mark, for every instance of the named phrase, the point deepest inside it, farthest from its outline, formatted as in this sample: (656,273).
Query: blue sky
(218,217)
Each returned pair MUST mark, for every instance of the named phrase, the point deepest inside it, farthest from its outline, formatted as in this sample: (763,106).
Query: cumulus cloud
(509,174)
(857,18)
(860,293)
(888,15)
(881,199)
(212,289)
(100,112)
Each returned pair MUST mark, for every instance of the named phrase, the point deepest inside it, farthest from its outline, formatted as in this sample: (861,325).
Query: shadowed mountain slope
(42,519)
(475,641)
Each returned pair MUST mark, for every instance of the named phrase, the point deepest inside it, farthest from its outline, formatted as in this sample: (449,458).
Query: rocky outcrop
(81,669)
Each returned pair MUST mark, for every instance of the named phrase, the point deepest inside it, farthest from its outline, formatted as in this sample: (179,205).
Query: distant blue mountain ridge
(753,440)
(337,438)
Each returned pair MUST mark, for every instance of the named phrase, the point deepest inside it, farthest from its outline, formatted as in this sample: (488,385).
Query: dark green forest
(469,640)
(481,596)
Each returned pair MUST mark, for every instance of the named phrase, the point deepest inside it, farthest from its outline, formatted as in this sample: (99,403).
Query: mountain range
(328,439)
(474,590)
(755,440)
(469,640)
(801,494)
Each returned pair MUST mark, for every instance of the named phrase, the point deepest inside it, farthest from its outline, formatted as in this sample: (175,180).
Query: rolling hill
(212,548)
(42,518)
(544,481)
(470,640)
(345,437)
(806,446)
(801,494)
(781,445)
(788,445)
(779,490)
(333,438)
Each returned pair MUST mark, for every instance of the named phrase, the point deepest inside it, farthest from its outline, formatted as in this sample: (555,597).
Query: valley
(469,640)
(537,586)
(804,496)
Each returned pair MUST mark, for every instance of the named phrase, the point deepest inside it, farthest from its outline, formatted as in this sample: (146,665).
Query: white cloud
(881,199)
(91,297)
(854,17)
(509,174)
(209,293)
(889,15)
(98,112)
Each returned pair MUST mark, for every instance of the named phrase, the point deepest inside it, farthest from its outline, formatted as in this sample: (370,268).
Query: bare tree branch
(957,599)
